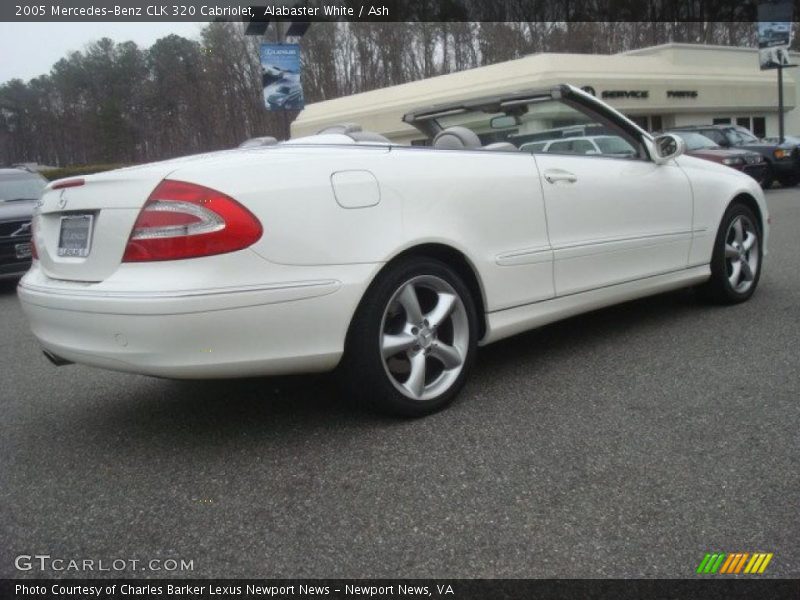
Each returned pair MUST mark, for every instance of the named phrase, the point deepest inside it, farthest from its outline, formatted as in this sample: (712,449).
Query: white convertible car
(392,263)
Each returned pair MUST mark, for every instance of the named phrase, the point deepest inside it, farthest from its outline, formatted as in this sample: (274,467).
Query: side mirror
(666,147)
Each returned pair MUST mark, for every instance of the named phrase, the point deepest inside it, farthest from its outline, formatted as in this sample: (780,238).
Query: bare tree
(118,103)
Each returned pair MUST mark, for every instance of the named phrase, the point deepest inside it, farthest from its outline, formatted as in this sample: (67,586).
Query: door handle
(555,175)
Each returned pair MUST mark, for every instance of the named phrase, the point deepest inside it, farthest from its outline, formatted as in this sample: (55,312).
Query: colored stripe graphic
(764,564)
(711,562)
(734,563)
(718,562)
(727,564)
(754,563)
(703,563)
(731,563)
(740,564)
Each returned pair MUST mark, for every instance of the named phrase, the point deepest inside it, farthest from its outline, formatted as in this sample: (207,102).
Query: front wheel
(412,341)
(736,260)
(767,179)
(789,180)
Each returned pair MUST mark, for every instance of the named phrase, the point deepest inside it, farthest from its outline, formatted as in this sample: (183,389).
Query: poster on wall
(280,76)
(774,33)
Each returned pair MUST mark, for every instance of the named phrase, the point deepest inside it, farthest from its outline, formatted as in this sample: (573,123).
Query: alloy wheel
(424,337)
(742,253)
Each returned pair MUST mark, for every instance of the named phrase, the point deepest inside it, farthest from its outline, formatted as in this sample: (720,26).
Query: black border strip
(393,10)
(708,588)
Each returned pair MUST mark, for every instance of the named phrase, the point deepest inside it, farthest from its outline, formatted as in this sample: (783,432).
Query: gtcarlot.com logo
(45,562)
(734,563)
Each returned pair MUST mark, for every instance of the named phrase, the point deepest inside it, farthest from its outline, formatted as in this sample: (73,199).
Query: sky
(28,50)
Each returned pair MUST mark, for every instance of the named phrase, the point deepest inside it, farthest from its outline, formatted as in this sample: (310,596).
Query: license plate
(22,250)
(76,235)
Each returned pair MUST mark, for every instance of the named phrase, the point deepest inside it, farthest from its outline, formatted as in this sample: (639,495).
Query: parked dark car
(789,139)
(783,160)
(19,191)
(746,161)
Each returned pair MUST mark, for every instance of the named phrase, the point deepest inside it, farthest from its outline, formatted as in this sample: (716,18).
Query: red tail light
(67,183)
(34,251)
(184,220)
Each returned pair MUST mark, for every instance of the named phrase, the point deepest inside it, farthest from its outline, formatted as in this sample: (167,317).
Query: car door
(613,219)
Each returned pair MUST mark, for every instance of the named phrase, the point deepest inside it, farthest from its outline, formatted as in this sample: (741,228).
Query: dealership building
(658,87)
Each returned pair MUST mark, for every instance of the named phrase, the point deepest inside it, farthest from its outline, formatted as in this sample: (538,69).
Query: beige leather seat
(345,128)
(369,136)
(457,138)
(256,142)
(354,132)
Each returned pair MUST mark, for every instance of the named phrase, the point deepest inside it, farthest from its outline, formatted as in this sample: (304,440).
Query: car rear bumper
(272,329)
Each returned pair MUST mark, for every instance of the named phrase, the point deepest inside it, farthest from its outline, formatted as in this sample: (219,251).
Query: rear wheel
(412,341)
(789,180)
(736,261)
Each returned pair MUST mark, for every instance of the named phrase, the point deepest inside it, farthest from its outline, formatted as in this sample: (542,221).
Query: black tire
(375,382)
(789,180)
(719,288)
(768,179)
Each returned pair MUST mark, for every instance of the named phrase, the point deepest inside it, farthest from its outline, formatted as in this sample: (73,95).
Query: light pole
(780,104)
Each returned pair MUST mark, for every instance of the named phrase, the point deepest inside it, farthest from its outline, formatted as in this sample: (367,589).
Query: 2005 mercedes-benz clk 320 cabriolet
(391,262)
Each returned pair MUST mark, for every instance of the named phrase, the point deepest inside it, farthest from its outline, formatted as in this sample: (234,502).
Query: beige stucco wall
(728,82)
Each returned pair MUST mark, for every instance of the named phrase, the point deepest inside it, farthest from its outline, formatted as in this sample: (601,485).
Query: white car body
(335,212)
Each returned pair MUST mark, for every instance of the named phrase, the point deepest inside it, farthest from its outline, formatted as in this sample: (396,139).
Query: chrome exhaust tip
(56,360)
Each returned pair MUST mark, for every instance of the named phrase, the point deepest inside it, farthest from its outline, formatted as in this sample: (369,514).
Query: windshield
(22,186)
(696,141)
(737,137)
(541,126)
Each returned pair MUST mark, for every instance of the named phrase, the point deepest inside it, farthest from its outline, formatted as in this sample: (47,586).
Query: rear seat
(461,138)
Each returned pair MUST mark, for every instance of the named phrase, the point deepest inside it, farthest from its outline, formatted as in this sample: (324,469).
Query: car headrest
(354,132)
(346,128)
(368,136)
(266,140)
(456,138)
(501,147)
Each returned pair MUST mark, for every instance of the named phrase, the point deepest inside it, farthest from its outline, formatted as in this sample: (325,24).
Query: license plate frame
(80,228)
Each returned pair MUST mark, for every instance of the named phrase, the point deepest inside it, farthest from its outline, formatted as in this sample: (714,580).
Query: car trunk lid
(81,231)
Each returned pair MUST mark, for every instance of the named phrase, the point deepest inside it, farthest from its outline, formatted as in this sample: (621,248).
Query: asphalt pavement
(623,443)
